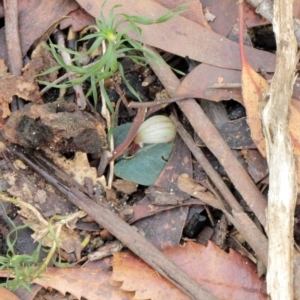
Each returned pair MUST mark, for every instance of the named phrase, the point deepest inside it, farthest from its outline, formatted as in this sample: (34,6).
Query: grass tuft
(112,33)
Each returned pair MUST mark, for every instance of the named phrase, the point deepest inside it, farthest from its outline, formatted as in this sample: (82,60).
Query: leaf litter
(15,86)
(78,138)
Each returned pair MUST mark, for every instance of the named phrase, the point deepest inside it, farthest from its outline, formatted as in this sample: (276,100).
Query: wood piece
(282,167)
(13,44)
(12,37)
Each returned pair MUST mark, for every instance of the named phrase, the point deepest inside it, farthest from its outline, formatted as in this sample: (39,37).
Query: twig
(282,167)
(234,85)
(138,120)
(124,99)
(13,45)
(159,102)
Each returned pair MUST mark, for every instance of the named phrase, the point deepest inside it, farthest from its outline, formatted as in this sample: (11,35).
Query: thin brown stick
(159,102)
(13,44)
(12,37)
(233,85)
(138,120)
(124,99)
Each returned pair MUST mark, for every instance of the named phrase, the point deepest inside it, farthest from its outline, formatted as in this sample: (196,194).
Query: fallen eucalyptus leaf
(145,167)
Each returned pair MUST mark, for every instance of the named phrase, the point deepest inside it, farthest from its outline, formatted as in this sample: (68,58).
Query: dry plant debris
(214,268)
(44,13)
(227,275)
(62,147)
(92,282)
(11,85)
(41,60)
(6,294)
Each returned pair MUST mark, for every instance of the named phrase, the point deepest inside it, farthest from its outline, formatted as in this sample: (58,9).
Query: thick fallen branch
(282,168)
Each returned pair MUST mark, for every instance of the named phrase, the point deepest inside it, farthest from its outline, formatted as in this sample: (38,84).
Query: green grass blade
(106,98)
(131,89)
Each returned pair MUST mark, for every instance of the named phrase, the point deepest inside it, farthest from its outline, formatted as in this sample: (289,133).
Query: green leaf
(106,98)
(120,133)
(145,167)
(139,20)
(52,69)
(90,36)
(94,46)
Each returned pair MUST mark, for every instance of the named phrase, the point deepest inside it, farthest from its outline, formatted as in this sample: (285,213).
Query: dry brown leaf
(7,295)
(158,227)
(253,86)
(223,22)
(78,167)
(124,186)
(68,239)
(294,125)
(34,19)
(296,9)
(78,19)
(251,18)
(193,13)
(183,37)
(202,82)
(198,83)
(226,275)
(11,85)
(83,282)
(41,61)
